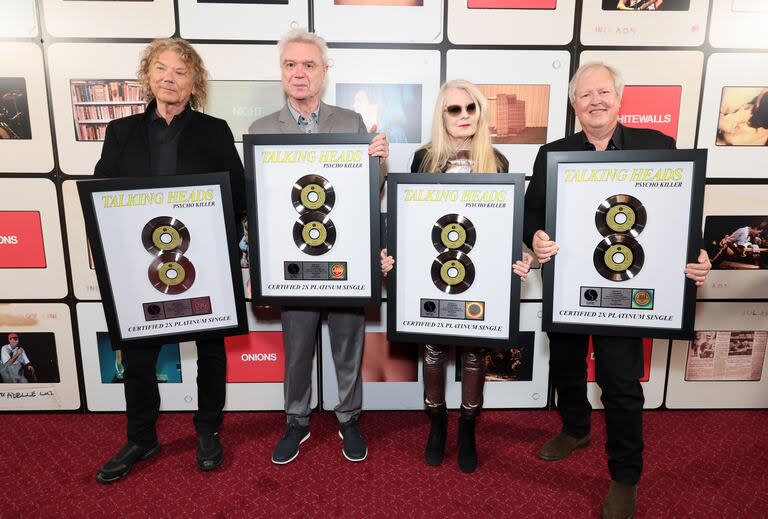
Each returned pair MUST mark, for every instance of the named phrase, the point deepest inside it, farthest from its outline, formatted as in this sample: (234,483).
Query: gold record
(453,272)
(621,214)
(453,232)
(171,273)
(618,257)
(165,234)
(314,233)
(313,193)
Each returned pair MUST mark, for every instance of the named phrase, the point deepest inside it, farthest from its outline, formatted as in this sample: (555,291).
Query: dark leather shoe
(209,453)
(561,446)
(620,502)
(120,464)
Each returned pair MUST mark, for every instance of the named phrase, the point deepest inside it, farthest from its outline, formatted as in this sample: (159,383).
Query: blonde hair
(191,59)
(439,150)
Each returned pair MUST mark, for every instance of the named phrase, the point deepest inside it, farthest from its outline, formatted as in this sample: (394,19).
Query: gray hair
(301,35)
(618,81)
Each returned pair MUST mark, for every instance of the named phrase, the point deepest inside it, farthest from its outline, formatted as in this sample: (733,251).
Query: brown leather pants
(472,378)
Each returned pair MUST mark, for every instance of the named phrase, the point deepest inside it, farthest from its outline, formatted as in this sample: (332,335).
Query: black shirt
(164,139)
(614,144)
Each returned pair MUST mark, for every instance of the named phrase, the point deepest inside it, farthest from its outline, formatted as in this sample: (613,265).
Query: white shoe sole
(354,460)
(294,456)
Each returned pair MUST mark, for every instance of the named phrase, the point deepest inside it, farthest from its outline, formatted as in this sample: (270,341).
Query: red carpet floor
(698,465)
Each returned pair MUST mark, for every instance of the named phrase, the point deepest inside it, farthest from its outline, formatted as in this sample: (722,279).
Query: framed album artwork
(736,239)
(104,368)
(166,257)
(454,238)
(627,223)
(723,366)
(313,201)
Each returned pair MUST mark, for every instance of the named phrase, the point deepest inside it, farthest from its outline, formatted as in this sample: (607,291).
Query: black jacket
(536,194)
(206,145)
(418,158)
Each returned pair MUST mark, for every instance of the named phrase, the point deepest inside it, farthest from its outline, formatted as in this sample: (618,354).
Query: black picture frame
(515,236)
(86,188)
(255,244)
(693,245)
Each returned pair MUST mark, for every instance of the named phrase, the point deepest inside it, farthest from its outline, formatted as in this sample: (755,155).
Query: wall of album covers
(695,69)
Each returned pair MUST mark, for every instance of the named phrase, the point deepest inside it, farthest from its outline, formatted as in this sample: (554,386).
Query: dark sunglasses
(455,110)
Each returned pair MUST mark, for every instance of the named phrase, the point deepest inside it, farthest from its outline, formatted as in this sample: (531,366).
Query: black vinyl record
(314,233)
(165,234)
(453,272)
(313,193)
(171,273)
(453,232)
(620,214)
(618,257)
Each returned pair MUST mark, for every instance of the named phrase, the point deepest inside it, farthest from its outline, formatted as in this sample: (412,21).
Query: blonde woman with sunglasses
(461,143)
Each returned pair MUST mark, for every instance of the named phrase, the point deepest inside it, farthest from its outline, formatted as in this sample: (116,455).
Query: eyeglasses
(455,110)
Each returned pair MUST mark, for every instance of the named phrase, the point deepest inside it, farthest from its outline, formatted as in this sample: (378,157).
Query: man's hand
(543,247)
(387,262)
(379,147)
(521,267)
(698,271)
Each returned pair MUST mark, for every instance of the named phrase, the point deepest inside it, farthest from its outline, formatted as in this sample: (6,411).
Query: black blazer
(418,158)
(536,195)
(206,145)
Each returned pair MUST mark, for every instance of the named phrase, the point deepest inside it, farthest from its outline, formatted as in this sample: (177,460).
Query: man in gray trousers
(304,64)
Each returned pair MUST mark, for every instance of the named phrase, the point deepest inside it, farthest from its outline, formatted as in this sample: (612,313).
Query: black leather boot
(435,451)
(467,450)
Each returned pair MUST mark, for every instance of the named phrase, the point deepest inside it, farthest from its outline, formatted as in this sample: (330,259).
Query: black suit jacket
(536,195)
(206,145)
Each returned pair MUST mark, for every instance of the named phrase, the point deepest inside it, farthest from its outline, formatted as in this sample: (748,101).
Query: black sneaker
(120,464)
(287,448)
(354,443)
(209,453)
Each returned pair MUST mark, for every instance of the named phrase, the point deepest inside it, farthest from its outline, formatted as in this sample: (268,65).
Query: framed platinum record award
(627,223)
(454,238)
(166,257)
(313,206)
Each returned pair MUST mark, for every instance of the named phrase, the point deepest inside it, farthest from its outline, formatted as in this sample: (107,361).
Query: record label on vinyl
(171,273)
(165,234)
(618,257)
(313,193)
(453,232)
(453,272)
(314,233)
(620,214)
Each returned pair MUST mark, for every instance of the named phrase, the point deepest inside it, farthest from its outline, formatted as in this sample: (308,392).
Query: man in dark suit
(304,64)
(595,95)
(171,138)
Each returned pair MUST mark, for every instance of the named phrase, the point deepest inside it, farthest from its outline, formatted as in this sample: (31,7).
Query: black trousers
(618,368)
(142,397)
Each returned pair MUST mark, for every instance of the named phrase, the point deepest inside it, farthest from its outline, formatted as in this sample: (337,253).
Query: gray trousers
(347,330)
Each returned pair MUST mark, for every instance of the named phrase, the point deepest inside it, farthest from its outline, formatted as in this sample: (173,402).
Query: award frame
(692,214)
(262,251)
(514,244)
(88,188)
